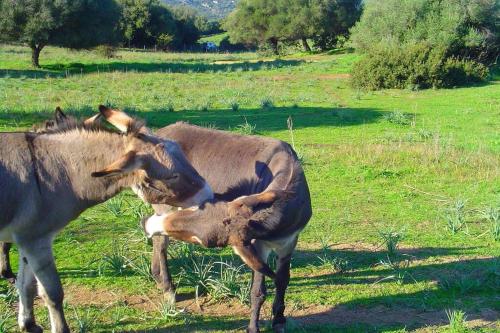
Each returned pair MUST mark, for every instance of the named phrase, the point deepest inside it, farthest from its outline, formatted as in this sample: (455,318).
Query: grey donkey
(48,179)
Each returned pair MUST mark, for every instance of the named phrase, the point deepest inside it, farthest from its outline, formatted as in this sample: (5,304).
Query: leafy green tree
(257,22)
(186,20)
(144,21)
(254,22)
(75,24)
(333,20)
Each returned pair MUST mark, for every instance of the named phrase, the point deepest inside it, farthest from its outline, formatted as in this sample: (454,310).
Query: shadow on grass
(470,285)
(271,119)
(70,69)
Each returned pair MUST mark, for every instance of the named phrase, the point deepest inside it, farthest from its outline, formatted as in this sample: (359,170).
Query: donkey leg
(258,292)
(26,286)
(281,283)
(39,256)
(5,269)
(159,268)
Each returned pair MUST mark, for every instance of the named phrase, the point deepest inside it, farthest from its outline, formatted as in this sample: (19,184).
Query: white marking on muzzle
(154,225)
(205,194)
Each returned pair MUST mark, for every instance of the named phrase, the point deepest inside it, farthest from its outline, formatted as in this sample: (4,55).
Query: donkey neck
(67,160)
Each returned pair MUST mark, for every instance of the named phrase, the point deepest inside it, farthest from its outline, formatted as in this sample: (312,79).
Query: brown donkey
(261,204)
(48,179)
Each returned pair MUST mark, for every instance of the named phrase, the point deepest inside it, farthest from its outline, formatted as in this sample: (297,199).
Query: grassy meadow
(405,185)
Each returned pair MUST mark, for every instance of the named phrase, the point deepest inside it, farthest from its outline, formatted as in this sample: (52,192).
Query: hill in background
(209,8)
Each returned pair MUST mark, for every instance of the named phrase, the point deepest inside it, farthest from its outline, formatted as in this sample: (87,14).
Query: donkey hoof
(31,328)
(8,275)
(169,297)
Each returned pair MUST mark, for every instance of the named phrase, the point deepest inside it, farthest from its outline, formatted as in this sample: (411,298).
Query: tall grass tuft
(300,155)
(334,264)
(228,283)
(142,266)
(198,273)
(457,321)
(85,320)
(168,311)
(6,318)
(391,239)
(170,107)
(115,206)
(492,215)
(455,216)
(114,263)
(266,103)
(235,106)
(10,295)
(246,128)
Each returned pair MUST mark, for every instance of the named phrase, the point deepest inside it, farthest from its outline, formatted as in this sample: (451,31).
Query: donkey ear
(245,206)
(127,163)
(92,120)
(250,257)
(117,118)
(60,116)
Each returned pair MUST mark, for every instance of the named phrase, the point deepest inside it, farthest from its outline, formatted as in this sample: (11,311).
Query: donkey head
(218,224)
(164,174)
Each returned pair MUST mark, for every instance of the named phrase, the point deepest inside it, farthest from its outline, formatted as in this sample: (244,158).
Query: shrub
(414,66)
(463,28)
(266,103)
(106,51)
(459,72)
(425,43)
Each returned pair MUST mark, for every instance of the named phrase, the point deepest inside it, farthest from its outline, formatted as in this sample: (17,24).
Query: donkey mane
(71,124)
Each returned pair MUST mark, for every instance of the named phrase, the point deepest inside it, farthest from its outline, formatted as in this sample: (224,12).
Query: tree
(254,22)
(257,22)
(186,19)
(332,21)
(144,21)
(75,24)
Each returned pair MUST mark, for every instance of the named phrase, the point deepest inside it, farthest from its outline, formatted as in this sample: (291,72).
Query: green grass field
(404,184)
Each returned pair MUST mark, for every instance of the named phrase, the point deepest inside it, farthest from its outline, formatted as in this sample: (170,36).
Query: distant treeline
(80,24)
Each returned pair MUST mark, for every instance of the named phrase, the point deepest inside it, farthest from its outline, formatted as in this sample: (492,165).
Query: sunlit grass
(377,164)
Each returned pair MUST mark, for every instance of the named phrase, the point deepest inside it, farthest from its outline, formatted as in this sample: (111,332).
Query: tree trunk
(35,55)
(274,45)
(305,44)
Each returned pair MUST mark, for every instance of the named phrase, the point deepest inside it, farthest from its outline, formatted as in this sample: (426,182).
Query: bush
(459,72)
(463,28)
(106,51)
(414,66)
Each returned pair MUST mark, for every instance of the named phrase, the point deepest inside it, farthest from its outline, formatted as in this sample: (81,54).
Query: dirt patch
(333,76)
(86,296)
(317,77)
